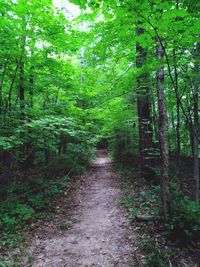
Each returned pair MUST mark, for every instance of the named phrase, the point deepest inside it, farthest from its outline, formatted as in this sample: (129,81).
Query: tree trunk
(178,147)
(31,84)
(144,116)
(30,145)
(162,129)
(154,116)
(196,121)
(1,85)
(21,91)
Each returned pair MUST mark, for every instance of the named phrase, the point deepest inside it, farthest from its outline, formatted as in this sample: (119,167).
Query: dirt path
(99,233)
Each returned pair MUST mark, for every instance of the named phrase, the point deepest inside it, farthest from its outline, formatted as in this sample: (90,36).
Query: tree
(162,130)
(143,105)
(196,119)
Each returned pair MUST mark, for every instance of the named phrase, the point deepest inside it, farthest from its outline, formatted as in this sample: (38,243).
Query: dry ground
(95,230)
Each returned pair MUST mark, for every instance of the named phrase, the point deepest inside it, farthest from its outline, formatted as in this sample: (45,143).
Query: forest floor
(90,227)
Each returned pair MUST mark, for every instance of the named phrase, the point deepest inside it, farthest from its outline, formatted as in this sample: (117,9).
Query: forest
(117,75)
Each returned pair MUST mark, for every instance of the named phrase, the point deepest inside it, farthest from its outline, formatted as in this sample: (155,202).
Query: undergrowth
(163,243)
(138,198)
(184,220)
(28,197)
(25,203)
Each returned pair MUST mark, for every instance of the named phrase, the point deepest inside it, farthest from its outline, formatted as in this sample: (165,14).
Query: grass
(65,226)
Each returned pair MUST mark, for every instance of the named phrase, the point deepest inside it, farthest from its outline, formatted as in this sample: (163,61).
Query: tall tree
(162,130)
(196,119)
(143,107)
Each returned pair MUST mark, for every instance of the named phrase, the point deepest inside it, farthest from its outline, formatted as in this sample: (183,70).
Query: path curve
(100,233)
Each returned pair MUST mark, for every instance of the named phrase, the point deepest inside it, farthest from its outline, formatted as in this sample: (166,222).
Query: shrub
(15,215)
(38,201)
(184,221)
(155,256)
(76,160)
(20,207)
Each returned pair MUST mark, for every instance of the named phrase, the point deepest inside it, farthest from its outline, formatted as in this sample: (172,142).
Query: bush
(21,207)
(76,160)
(15,215)
(184,221)
(38,201)
(155,255)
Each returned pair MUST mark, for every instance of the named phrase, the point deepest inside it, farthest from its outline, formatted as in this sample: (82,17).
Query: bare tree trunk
(21,91)
(30,145)
(178,146)
(144,115)
(9,102)
(196,121)
(154,116)
(1,84)
(31,84)
(162,129)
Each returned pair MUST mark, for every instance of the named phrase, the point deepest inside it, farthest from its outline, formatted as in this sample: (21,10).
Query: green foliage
(76,160)
(137,198)
(65,225)
(13,214)
(57,101)
(53,115)
(39,202)
(128,199)
(156,257)
(27,204)
(12,239)
(184,220)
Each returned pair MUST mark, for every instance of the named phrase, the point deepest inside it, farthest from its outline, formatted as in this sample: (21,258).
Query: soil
(90,227)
